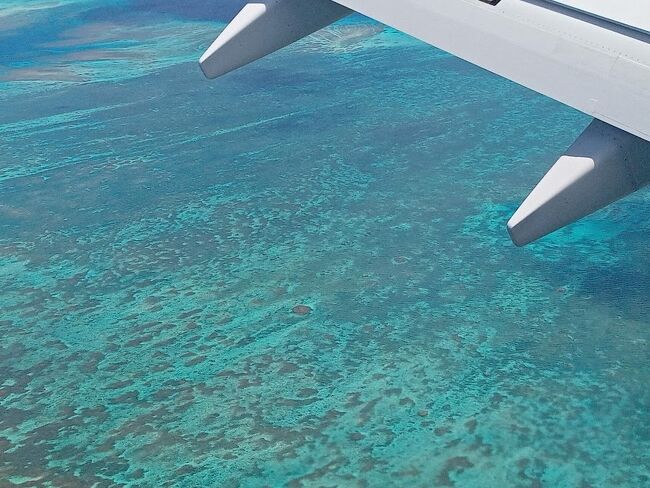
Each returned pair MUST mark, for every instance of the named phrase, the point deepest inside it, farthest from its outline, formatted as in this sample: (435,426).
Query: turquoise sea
(298,274)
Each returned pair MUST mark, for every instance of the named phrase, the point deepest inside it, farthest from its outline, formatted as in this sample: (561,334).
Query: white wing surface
(593,55)
(594,65)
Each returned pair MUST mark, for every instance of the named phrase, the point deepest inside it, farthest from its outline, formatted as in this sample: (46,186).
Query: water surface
(157,231)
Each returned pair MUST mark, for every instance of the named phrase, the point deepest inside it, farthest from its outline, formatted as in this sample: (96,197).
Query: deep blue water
(158,230)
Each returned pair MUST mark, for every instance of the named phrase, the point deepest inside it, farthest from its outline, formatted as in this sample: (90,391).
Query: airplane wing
(593,55)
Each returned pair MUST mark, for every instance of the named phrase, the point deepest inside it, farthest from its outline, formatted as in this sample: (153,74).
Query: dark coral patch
(356,436)
(400,260)
(302,309)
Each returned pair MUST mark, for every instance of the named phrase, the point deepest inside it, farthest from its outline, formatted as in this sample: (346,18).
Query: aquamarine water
(157,231)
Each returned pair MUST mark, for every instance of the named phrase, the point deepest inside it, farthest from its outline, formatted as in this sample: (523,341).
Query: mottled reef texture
(299,274)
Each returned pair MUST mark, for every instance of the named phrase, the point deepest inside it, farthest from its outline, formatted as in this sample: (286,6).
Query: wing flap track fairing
(264,27)
(603,165)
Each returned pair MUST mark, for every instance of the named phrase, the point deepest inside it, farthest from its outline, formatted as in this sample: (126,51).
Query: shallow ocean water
(157,231)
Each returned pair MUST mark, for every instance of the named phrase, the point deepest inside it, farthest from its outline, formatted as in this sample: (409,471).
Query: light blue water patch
(299,274)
